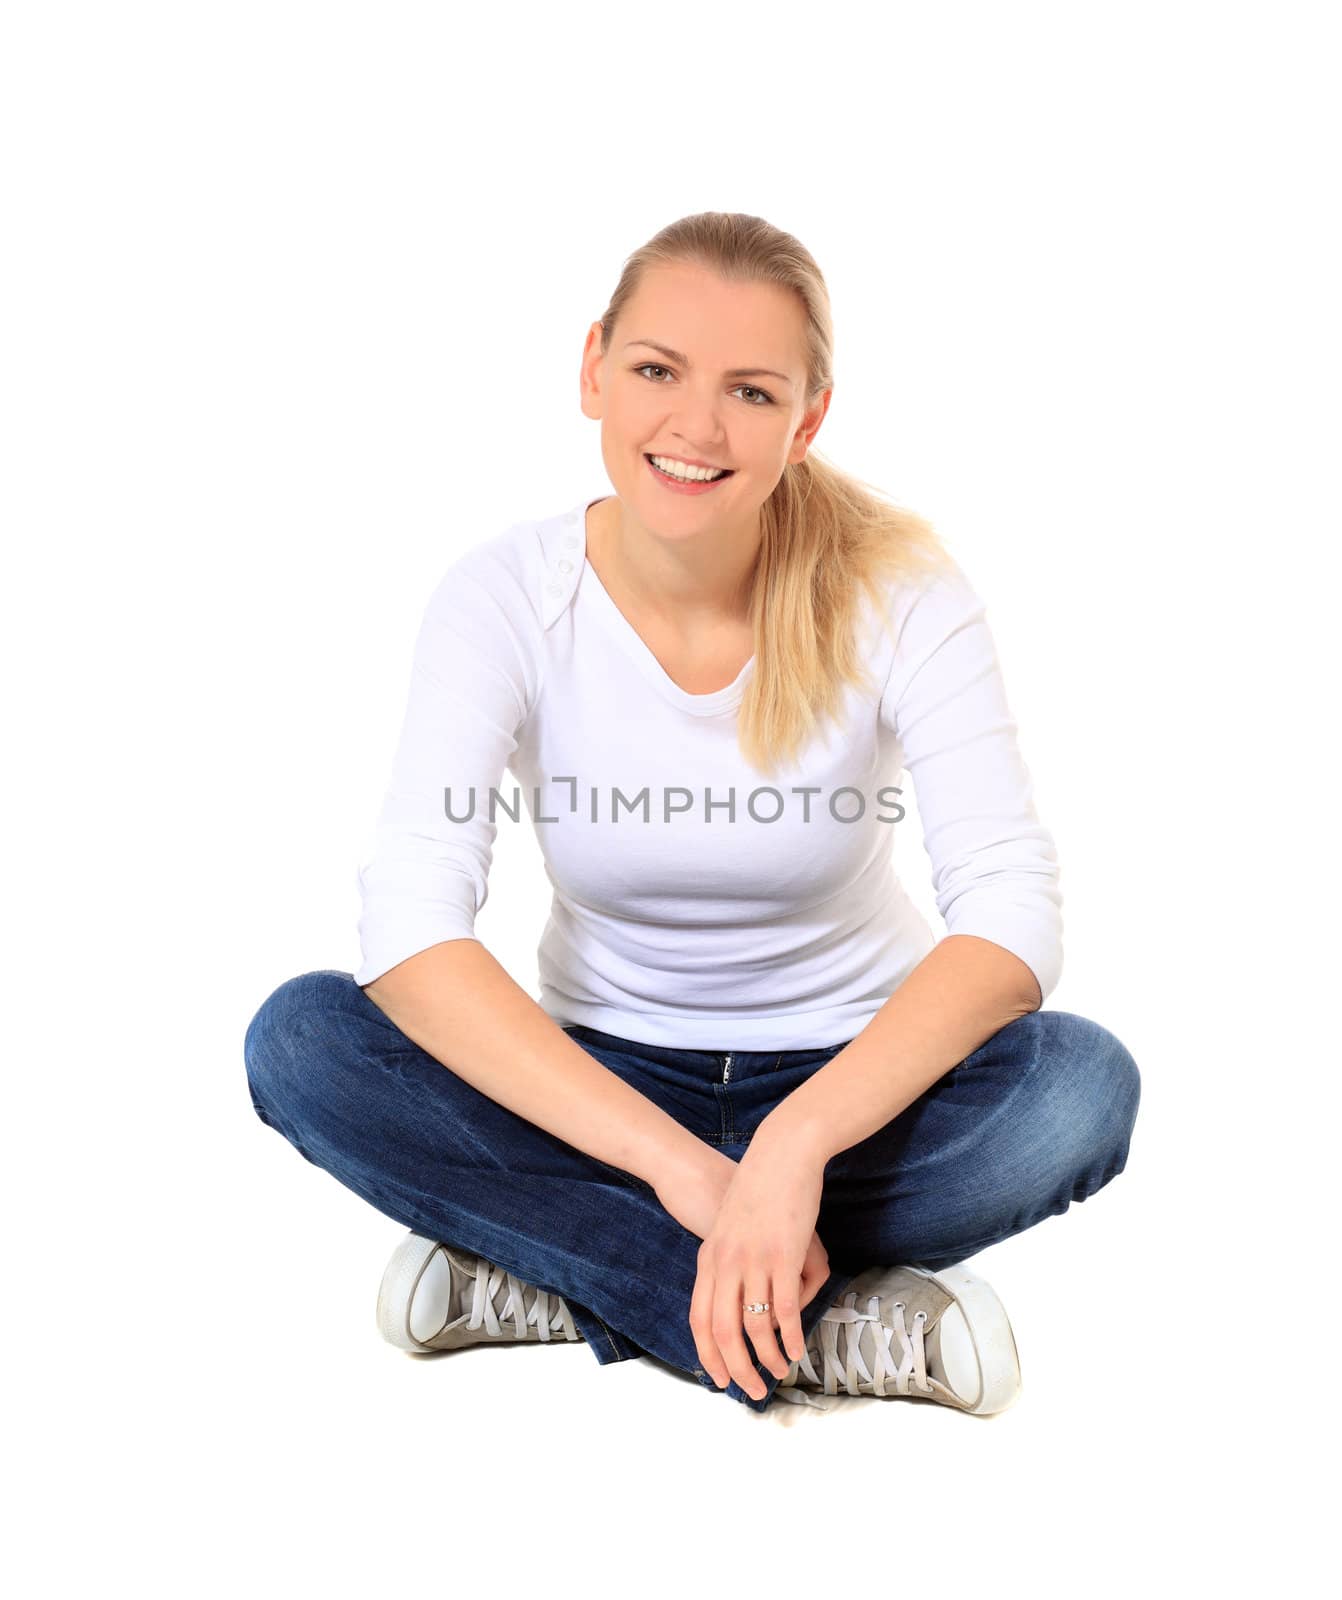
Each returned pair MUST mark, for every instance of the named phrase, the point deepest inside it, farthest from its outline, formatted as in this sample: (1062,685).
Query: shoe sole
(994,1342)
(396,1291)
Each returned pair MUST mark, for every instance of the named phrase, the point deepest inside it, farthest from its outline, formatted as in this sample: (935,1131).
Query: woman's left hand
(760,1249)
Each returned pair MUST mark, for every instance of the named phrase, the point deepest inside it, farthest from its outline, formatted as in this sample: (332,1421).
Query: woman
(759,1114)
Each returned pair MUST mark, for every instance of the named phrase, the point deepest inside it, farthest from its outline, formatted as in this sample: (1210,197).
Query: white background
(295,303)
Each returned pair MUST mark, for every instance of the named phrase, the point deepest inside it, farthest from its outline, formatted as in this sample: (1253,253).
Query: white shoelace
(851,1369)
(541,1315)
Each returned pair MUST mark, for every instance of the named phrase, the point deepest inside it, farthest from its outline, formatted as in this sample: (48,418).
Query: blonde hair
(826,536)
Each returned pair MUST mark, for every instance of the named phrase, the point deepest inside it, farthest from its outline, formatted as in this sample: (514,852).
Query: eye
(765,399)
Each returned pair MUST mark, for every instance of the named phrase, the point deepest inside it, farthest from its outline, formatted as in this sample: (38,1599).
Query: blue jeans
(1038,1116)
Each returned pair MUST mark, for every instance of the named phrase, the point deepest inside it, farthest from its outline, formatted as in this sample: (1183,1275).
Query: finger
(814,1273)
(813,1279)
(729,1333)
(815,1270)
(787,1311)
(760,1324)
(701,1326)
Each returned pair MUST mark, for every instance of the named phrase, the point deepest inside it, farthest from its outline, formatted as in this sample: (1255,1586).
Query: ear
(809,426)
(589,374)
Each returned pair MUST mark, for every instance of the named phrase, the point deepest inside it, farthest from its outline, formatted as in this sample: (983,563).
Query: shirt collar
(563,541)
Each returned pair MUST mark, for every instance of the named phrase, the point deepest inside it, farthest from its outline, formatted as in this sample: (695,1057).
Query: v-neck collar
(635,646)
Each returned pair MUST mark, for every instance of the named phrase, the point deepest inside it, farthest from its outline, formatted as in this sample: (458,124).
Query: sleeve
(994,865)
(424,876)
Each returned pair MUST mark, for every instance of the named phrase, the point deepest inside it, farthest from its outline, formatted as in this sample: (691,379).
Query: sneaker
(435,1297)
(909,1331)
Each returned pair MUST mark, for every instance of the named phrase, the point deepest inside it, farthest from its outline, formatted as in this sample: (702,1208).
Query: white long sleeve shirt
(696,901)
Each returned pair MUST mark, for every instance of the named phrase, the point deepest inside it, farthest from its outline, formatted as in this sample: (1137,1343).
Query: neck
(706,578)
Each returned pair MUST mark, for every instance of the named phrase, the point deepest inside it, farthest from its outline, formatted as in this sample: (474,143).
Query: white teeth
(677,469)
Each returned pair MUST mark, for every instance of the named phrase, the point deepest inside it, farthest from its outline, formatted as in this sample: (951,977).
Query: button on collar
(557,574)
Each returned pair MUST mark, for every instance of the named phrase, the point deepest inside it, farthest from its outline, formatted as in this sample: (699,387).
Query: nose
(699,443)
(698,426)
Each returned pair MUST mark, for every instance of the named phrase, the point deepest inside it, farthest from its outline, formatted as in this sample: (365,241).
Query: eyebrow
(735,372)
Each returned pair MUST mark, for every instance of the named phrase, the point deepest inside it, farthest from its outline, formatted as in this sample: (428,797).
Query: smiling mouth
(722,472)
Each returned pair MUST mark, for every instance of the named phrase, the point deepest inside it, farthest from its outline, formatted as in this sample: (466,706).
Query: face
(726,389)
